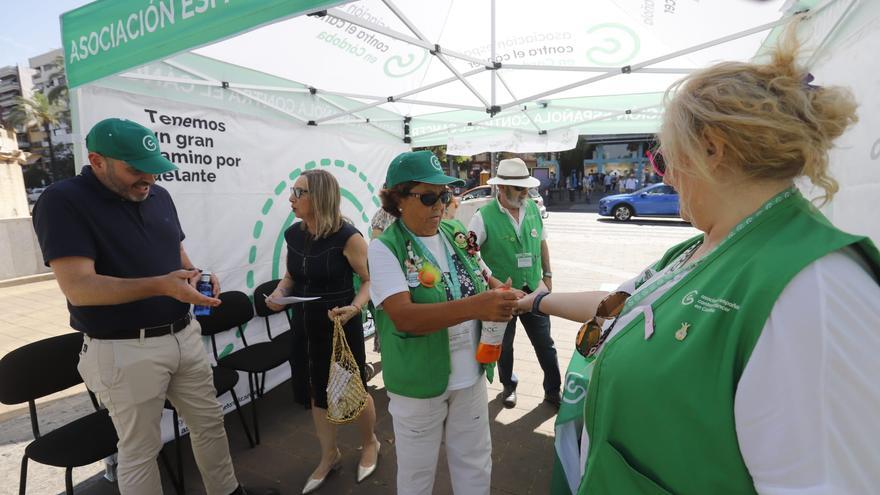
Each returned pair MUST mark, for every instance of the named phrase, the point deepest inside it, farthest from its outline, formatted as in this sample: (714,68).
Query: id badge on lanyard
(523,260)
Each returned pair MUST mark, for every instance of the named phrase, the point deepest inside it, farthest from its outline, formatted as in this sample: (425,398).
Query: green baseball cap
(417,166)
(130,142)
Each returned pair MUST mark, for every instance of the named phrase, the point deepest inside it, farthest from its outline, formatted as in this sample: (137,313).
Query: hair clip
(807,79)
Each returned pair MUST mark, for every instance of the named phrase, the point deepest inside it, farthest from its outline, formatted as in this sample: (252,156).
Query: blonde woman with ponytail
(745,359)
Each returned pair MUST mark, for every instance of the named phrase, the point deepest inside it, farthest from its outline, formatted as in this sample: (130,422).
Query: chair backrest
(40,368)
(236,310)
(264,289)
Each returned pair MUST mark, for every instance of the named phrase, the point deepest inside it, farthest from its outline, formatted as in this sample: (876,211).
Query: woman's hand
(524,305)
(344,313)
(278,292)
(496,304)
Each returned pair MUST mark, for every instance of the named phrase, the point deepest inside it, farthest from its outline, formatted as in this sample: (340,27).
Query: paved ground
(588,253)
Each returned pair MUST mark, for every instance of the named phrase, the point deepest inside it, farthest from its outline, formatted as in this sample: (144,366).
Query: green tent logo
(611,44)
(400,66)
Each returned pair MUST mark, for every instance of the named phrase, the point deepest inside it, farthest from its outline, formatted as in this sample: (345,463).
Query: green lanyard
(451,276)
(644,292)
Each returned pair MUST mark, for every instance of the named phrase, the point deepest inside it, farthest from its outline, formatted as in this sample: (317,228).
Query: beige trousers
(458,418)
(132,378)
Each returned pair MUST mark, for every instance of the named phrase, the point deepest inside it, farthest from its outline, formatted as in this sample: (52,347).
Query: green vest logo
(688,298)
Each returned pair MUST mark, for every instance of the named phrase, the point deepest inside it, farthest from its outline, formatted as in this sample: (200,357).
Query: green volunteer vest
(503,243)
(419,365)
(659,412)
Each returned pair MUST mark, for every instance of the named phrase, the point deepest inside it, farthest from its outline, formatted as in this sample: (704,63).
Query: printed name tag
(523,260)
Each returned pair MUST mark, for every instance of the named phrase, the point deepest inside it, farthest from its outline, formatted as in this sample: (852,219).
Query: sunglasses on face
(590,336)
(518,188)
(430,198)
(298,192)
(657,161)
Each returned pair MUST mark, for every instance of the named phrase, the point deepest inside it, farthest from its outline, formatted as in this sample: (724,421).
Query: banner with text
(109,36)
(232,186)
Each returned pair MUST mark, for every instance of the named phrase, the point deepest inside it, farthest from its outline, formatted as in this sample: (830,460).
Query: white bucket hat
(513,172)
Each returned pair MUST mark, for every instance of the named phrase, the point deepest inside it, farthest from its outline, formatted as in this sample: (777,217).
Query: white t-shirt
(808,402)
(477,226)
(387,278)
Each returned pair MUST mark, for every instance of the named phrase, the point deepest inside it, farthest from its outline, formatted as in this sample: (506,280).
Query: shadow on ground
(522,457)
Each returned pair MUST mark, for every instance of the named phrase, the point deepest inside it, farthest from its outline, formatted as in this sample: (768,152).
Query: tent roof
(518,73)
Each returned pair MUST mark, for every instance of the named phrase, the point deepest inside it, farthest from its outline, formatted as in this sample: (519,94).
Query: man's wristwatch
(548,274)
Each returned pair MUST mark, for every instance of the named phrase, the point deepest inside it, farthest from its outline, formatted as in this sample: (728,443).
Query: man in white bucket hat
(513,244)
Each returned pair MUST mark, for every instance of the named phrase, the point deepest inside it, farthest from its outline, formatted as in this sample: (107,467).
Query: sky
(31,27)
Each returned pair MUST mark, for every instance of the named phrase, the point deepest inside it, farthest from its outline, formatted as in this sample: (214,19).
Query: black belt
(149,332)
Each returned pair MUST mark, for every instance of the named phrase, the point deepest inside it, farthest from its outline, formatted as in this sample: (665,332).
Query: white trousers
(419,425)
(132,378)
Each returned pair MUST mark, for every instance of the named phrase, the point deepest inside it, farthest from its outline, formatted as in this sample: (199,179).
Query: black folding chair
(254,359)
(294,341)
(43,368)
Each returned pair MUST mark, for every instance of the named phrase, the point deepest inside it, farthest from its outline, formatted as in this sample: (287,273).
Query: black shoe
(265,491)
(508,397)
(554,399)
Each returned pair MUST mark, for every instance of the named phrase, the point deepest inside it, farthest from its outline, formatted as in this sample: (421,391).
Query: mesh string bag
(346,395)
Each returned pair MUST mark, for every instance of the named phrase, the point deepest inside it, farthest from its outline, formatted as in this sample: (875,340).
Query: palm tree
(58,93)
(38,112)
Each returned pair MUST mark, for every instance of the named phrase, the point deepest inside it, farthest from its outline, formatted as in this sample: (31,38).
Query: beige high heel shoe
(364,472)
(313,484)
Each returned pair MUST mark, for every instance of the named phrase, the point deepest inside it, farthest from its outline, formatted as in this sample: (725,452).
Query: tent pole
(366,120)
(461,78)
(436,50)
(821,46)
(357,21)
(579,68)
(492,45)
(391,99)
(196,73)
(437,104)
(637,67)
(405,20)
(504,83)
(176,80)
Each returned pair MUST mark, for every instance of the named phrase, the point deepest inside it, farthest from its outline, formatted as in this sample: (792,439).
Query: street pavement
(588,252)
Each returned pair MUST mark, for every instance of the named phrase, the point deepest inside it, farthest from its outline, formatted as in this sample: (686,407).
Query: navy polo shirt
(81,217)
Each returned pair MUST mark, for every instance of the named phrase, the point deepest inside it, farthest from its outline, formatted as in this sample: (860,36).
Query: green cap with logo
(417,166)
(130,142)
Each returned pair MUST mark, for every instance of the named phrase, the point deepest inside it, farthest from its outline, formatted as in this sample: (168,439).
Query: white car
(472,199)
(34,194)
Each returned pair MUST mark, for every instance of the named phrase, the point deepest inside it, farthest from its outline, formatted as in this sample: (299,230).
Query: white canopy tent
(479,76)
(301,84)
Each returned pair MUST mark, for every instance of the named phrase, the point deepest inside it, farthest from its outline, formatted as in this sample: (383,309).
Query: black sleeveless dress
(319,268)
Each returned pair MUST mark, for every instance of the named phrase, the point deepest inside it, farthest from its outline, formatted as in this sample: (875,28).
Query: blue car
(655,200)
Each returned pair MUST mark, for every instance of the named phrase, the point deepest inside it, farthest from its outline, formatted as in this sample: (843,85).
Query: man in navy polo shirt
(113,239)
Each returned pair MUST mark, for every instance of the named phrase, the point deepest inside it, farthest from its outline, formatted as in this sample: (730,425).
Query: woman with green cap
(431,292)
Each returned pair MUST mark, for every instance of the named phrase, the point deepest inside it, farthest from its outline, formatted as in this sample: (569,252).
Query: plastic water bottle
(489,349)
(205,287)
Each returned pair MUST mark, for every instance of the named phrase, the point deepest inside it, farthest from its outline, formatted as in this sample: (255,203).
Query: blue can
(205,287)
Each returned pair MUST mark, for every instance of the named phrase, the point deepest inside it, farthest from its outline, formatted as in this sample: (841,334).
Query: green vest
(419,365)
(503,243)
(660,412)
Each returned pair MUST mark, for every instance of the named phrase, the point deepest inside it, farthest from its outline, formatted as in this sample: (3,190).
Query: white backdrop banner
(232,187)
